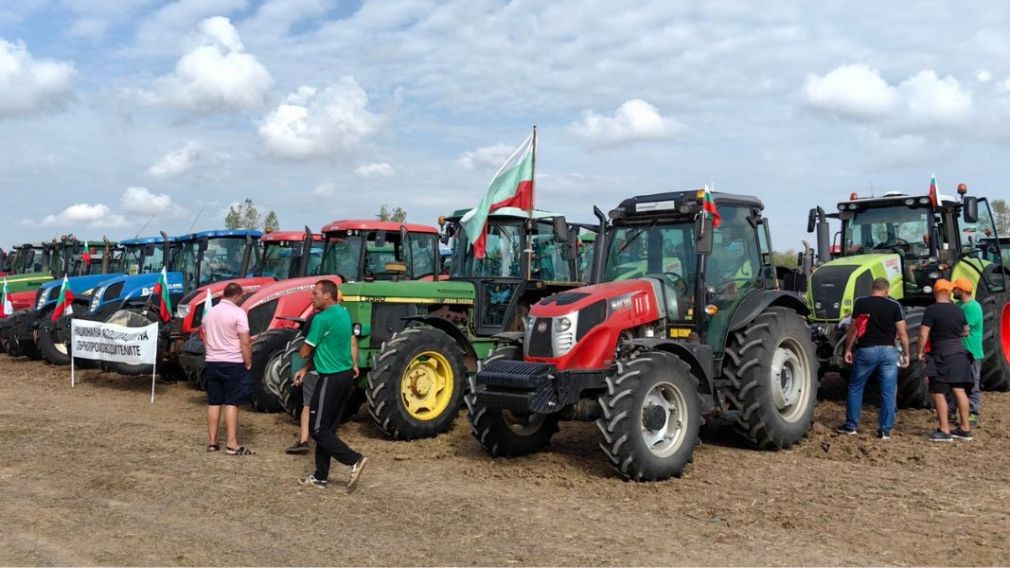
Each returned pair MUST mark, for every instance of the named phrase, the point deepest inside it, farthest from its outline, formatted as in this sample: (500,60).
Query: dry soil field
(98,475)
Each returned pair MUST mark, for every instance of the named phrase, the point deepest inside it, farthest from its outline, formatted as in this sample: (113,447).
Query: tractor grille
(828,285)
(387,319)
(260,317)
(514,375)
(538,344)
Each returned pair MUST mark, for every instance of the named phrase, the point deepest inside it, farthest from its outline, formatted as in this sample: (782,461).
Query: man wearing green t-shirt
(973,342)
(332,350)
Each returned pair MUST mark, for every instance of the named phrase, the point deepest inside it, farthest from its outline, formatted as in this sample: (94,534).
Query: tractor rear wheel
(651,417)
(416,388)
(995,336)
(503,433)
(267,354)
(54,340)
(913,392)
(291,396)
(772,365)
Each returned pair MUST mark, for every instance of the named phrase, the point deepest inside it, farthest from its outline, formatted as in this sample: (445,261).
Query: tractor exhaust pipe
(823,237)
(596,273)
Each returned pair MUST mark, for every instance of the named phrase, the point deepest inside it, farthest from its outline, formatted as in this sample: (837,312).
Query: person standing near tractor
(948,366)
(876,321)
(332,350)
(972,343)
(225,333)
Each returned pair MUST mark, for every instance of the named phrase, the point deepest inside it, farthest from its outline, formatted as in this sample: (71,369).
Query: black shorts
(937,387)
(227,383)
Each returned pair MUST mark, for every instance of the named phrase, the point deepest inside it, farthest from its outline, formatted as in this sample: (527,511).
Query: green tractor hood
(835,285)
(409,292)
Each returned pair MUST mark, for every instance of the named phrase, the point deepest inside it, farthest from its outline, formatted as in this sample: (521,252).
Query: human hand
(922,356)
(300,376)
(356,371)
(848,357)
(903,361)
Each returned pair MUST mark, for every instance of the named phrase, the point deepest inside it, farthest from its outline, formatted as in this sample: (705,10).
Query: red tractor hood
(280,288)
(621,295)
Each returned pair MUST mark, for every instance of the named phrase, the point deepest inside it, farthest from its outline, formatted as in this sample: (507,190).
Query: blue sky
(114,113)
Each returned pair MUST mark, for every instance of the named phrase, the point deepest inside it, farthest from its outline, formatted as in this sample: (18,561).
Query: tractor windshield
(664,251)
(142,259)
(901,229)
(502,257)
(279,259)
(342,256)
(222,260)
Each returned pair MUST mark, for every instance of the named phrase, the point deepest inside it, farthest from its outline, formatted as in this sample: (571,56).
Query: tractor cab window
(664,252)
(376,259)
(184,260)
(981,240)
(277,259)
(342,256)
(422,255)
(502,256)
(222,260)
(315,259)
(735,262)
(549,261)
(585,247)
(903,230)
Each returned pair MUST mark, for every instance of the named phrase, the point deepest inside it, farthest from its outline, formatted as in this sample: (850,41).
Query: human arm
(850,340)
(354,355)
(923,340)
(306,354)
(245,344)
(903,340)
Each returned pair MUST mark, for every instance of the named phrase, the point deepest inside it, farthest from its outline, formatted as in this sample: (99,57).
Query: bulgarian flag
(709,207)
(161,290)
(63,302)
(87,254)
(6,309)
(934,192)
(207,304)
(512,186)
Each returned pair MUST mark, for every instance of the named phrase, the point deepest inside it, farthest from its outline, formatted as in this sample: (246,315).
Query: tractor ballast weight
(911,242)
(687,323)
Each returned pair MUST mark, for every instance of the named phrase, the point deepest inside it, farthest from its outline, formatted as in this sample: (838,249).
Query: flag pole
(533,192)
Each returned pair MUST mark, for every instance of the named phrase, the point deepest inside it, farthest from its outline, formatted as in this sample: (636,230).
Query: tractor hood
(124,288)
(835,285)
(249,286)
(81,286)
(274,290)
(618,295)
(444,292)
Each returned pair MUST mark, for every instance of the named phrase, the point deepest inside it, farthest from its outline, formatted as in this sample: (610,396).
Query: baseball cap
(963,284)
(943,285)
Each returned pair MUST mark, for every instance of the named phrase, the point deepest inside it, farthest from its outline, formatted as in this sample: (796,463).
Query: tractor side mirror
(703,235)
(202,245)
(811,220)
(970,206)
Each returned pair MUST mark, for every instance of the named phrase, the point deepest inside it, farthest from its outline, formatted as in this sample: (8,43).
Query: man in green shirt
(332,350)
(973,342)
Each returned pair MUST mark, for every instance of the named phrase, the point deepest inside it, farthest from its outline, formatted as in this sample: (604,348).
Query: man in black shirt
(948,366)
(876,321)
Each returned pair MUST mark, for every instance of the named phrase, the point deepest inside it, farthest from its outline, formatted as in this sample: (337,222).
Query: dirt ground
(97,475)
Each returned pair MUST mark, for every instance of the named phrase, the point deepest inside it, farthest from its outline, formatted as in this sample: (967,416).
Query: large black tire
(130,318)
(772,367)
(416,388)
(54,340)
(995,314)
(291,399)
(913,392)
(268,352)
(502,433)
(651,417)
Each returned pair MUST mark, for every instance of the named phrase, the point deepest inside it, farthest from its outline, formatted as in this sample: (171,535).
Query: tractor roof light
(910,202)
(853,196)
(962,188)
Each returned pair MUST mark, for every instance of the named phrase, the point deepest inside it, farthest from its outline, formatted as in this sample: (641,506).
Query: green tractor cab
(911,242)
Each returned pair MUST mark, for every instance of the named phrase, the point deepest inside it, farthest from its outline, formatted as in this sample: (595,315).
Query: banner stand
(98,341)
(154,371)
(72,383)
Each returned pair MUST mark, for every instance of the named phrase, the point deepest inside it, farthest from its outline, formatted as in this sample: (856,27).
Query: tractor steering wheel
(898,242)
(677,282)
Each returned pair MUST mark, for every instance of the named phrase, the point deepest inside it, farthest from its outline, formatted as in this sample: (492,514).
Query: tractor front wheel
(503,433)
(995,336)
(54,340)
(416,388)
(772,365)
(651,417)
(913,392)
(268,352)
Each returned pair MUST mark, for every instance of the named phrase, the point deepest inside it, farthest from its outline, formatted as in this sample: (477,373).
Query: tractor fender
(698,355)
(451,330)
(510,337)
(752,306)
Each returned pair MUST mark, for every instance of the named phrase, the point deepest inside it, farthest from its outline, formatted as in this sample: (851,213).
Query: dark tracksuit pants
(327,406)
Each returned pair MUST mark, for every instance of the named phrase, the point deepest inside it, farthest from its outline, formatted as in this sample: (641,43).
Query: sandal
(239,451)
(213,447)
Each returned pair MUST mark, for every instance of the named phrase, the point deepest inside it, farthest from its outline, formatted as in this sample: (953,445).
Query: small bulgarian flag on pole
(934,192)
(6,308)
(86,257)
(207,304)
(63,302)
(709,207)
(161,291)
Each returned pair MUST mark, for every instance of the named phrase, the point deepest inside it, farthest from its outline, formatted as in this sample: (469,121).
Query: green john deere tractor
(418,340)
(33,265)
(911,242)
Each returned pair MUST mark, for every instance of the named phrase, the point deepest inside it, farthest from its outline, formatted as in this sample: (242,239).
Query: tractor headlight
(563,336)
(182,310)
(41,302)
(356,330)
(96,298)
(934,275)
(564,324)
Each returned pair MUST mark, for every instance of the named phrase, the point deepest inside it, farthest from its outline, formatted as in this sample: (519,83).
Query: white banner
(101,341)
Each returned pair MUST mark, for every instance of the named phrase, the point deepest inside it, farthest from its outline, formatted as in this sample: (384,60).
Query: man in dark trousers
(876,321)
(332,350)
(972,343)
(948,366)
(225,333)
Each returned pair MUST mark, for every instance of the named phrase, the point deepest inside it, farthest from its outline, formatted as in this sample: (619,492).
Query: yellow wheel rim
(427,386)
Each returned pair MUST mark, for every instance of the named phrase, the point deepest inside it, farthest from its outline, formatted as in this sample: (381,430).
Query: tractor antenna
(195,219)
(144,227)
(871,190)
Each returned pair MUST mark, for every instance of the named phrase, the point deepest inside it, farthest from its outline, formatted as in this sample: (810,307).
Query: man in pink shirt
(227,361)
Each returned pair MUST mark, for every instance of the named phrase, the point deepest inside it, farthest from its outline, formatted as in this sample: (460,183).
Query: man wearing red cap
(973,343)
(948,367)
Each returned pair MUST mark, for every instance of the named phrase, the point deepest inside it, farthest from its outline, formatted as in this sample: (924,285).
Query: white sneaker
(311,480)
(356,472)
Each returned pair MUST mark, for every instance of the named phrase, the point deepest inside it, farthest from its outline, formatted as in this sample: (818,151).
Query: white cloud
(325,189)
(84,214)
(634,121)
(377,169)
(29,85)
(932,100)
(176,162)
(851,91)
(140,201)
(313,124)
(486,156)
(983,75)
(162,32)
(217,74)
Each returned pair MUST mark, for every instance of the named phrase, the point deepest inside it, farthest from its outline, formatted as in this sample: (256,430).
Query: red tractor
(686,324)
(348,251)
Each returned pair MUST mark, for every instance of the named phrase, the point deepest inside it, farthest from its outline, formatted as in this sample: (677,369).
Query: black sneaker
(298,448)
(962,435)
(940,436)
(845,431)
(311,480)
(883,435)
